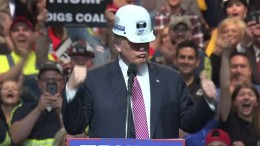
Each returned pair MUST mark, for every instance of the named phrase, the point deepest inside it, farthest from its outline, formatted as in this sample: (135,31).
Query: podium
(123,142)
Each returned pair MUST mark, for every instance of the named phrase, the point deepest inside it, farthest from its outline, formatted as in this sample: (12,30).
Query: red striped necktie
(140,119)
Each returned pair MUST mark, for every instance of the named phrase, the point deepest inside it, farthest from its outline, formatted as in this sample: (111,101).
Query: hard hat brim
(138,39)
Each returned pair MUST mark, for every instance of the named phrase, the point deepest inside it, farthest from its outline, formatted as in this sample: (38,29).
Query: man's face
(255,30)
(217,143)
(21,36)
(186,61)
(179,33)
(51,76)
(136,53)
(81,60)
(240,70)
(174,3)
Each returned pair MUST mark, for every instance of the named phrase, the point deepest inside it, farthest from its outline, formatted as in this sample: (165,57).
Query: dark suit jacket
(252,58)
(101,103)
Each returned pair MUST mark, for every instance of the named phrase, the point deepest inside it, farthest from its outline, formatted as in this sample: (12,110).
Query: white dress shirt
(143,79)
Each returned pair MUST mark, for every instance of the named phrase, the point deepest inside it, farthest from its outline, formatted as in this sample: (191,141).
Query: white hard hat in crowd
(134,23)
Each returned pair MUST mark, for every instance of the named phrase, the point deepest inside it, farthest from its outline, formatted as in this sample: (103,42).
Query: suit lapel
(252,59)
(155,96)
(117,82)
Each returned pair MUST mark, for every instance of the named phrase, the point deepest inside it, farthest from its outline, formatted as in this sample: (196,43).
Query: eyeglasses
(46,80)
(180,29)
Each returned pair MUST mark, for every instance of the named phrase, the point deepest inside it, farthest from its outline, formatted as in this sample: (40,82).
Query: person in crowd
(187,61)
(211,12)
(239,104)
(230,33)
(98,41)
(37,123)
(181,30)
(10,98)
(165,105)
(22,60)
(81,53)
(251,42)
(163,54)
(235,8)
(5,139)
(6,45)
(240,71)
(232,9)
(193,7)
(56,34)
(217,137)
(24,8)
(173,8)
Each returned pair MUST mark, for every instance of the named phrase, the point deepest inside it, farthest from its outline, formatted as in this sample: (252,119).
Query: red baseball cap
(218,134)
(21,19)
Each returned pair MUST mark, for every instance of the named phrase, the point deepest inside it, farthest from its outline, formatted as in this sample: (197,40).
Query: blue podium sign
(124,142)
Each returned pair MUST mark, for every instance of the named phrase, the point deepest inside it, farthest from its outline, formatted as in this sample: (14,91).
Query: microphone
(131,72)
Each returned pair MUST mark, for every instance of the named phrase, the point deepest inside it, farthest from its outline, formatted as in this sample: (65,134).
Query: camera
(51,88)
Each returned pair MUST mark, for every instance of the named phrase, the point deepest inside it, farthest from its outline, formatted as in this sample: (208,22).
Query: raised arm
(15,71)
(74,103)
(22,128)
(42,41)
(224,105)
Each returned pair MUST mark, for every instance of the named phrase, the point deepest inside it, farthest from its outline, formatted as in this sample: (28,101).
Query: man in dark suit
(251,43)
(98,99)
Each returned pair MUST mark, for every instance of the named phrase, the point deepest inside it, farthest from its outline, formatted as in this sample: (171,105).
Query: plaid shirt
(162,19)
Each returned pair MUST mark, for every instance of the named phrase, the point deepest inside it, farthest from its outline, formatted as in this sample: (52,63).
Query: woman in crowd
(238,108)
(232,9)
(165,50)
(230,33)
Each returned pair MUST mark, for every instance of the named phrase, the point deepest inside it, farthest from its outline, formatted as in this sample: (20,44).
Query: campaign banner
(77,13)
(124,142)
(62,51)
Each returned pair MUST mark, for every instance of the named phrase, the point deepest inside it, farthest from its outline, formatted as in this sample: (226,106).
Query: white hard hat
(134,23)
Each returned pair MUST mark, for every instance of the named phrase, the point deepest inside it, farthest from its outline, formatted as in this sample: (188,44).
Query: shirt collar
(257,51)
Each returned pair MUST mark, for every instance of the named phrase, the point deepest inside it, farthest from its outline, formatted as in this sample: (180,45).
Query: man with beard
(240,70)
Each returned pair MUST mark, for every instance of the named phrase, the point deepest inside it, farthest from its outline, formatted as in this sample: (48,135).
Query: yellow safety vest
(7,140)
(7,61)
(35,142)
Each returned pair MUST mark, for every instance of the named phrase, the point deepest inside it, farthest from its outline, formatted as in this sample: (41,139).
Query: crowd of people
(198,73)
